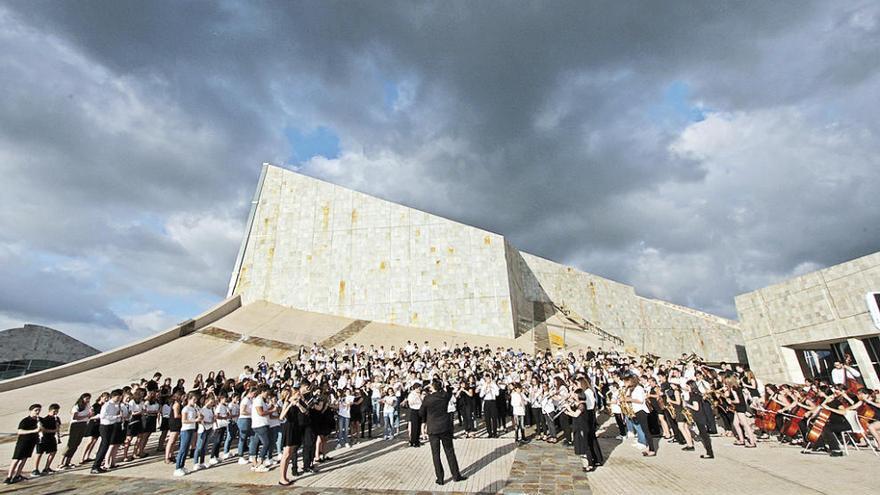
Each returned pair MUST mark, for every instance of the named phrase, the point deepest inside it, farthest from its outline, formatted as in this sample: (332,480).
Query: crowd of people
(285,415)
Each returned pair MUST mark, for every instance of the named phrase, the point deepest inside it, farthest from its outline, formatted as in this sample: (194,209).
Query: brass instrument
(688,414)
(626,406)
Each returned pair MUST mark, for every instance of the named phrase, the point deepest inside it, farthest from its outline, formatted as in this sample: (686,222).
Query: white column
(792,367)
(860,354)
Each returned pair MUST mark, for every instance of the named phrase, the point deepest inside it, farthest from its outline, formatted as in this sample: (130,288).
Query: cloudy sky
(695,150)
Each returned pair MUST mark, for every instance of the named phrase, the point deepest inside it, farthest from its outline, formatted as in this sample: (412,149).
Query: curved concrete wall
(215,313)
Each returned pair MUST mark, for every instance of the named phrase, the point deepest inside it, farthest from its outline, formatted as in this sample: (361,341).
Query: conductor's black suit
(439,423)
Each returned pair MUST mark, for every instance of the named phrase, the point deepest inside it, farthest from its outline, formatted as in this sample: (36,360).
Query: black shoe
(459,478)
(7,481)
(687,449)
(440,482)
(836,453)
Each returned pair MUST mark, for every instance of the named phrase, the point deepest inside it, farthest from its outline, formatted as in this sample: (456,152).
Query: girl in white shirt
(189,417)
(205,431)
(221,428)
(518,406)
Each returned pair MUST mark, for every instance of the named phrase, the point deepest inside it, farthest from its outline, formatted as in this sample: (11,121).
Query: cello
(791,428)
(819,425)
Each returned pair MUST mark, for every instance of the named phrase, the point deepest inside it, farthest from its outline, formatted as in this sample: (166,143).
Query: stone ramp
(345,334)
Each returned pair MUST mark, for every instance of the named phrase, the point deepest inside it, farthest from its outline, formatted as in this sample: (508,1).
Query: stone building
(796,329)
(34,348)
(319,247)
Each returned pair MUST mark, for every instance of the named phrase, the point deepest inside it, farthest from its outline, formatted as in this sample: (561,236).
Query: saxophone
(626,406)
(688,414)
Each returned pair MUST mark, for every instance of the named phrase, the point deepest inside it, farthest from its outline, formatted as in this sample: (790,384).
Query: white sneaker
(197,467)
(261,469)
(242,460)
(179,472)
(213,461)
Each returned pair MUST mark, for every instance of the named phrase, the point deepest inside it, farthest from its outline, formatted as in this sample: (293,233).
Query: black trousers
(538,417)
(703,428)
(642,419)
(673,427)
(491,412)
(709,414)
(565,424)
(621,424)
(594,452)
(106,432)
(309,441)
(294,456)
(446,440)
(467,414)
(415,427)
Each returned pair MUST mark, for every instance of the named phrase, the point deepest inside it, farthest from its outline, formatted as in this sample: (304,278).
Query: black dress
(579,431)
(92,430)
(292,431)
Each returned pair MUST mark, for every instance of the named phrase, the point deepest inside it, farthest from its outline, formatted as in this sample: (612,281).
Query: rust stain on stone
(450,250)
(341,290)
(325,216)
(382,265)
(433,249)
(415,317)
(434,283)
(418,232)
(487,240)
(354,216)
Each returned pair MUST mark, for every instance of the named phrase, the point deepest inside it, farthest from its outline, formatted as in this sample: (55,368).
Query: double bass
(852,385)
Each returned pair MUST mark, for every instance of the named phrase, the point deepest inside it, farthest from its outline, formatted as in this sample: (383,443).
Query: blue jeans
(389,425)
(244,435)
(202,445)
(640,433)
(261,438)
(186,437)
(376,415)
(342,431)
(232,431)
(274,440)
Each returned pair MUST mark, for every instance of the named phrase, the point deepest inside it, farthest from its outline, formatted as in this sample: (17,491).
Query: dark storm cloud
(550,123)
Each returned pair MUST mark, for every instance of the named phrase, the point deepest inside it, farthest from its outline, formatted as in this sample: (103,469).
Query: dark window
(12,369)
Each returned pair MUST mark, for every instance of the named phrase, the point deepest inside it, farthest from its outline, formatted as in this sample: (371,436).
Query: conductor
(435,410)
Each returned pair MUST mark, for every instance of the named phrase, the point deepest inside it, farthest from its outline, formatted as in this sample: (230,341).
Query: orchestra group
(286,416)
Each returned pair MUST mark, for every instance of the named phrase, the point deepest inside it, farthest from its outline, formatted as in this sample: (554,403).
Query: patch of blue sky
(320,141)
(182,306)
(677,107)
(390,94)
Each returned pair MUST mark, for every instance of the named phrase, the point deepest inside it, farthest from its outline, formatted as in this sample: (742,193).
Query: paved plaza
(498,466)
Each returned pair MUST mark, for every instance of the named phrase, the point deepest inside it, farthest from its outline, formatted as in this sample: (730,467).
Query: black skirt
(118,437)
(93,429)
(174,425)
(134,427)
(24,446)
(163,425)
(291,434)
(326,423)
(149,424)
(356,414)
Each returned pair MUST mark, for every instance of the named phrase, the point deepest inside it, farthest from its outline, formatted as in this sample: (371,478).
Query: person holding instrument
(700,412)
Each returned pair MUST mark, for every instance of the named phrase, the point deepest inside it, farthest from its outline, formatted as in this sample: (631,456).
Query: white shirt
(414,399)
(488,391)
(111,413)
(518,403)
(345,406)
(256,419)
(221,410)
(207,419)
(638,393)
(246,406)
(838,377)
(191,414)
(77,416)
(590,402)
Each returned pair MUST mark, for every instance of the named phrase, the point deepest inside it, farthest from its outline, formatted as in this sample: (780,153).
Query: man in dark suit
(439,422)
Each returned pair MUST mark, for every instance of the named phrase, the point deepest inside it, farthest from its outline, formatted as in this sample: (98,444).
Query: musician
(489,392)
(867,401)
(638,396)
(613,402)
(435,411)
(836,422)
(307,421)
(701,412)
(575,408)
(737,398)
(677,401)
(842,372)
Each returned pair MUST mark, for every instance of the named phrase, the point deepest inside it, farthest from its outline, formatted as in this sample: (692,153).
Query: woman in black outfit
(291,435)
(697,405)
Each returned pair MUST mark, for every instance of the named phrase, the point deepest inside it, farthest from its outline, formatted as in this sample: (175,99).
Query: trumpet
(569,402)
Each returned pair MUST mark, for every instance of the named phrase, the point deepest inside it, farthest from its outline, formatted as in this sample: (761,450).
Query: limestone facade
(319,247)
(810,311)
